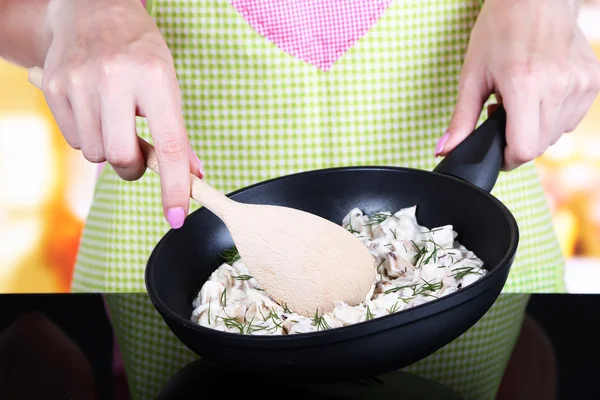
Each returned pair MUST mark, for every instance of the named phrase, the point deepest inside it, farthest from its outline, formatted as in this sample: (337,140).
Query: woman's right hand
(106,63)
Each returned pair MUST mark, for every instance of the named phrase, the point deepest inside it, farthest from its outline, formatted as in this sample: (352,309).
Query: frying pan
(456,193)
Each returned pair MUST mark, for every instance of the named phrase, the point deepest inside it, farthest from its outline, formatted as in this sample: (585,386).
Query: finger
(551,115)
(162,105)
(472,93)
(522,127)
(86,112)
(60,107)
(119,133)
(576,108)
(581,93)
(196,165)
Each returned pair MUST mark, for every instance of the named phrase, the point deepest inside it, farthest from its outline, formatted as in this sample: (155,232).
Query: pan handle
(478,159)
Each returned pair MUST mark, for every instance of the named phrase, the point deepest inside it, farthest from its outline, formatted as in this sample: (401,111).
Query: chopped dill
(432,255)
(223,299)
(320,322)
(418,290)
(394,308)
(434,230)
(262,315)
(369,314)
(245,328)
(286,309)
(243,277)
(421,251)
(350,228)
(230,256)
(393,233)
(232,323)
(378,218)
(461,272)
(398,288)
(428,287)
(209,303)
(274,317)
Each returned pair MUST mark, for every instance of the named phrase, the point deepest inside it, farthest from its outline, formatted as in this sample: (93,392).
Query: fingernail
(440,144)
(200,166)
(175,217)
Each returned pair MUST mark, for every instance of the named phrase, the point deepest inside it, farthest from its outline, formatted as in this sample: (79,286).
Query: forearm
(24,34)
(575,4)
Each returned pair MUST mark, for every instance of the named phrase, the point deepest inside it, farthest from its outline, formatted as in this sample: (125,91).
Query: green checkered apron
(254,112)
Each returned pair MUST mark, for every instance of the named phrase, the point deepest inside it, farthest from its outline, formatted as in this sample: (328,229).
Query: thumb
(472,93)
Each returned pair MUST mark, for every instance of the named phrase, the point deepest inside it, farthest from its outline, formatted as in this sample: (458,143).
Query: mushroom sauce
(414,265)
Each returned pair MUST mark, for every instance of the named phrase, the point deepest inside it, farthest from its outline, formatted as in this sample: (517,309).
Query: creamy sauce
(414,265)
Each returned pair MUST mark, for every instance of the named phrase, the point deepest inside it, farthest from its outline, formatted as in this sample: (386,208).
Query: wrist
(574,5)
(43,34)
(25,39)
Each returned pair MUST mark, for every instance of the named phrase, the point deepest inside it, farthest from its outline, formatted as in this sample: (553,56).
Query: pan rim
(360,329)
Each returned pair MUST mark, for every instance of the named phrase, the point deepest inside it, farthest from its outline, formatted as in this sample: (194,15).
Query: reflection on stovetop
(201,378)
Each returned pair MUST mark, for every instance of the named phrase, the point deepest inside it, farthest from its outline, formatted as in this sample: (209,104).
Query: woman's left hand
(539,63)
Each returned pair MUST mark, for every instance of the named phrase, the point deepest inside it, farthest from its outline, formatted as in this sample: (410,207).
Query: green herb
(244,328)
(460,273)
(255,328)
(421,251)
(378,218)
(350,228)
(369,314)
(262,315)
(393,233)
(394,308)
(398,288)
(286,309)
(320,322)
(223,299)
(433,254)
(275,318)
(250,328)
(428,287)
(243,277)
(230,256)
(232,323)
(209,303)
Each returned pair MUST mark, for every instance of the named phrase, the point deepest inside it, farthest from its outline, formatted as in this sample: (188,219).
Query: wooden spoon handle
(200,191)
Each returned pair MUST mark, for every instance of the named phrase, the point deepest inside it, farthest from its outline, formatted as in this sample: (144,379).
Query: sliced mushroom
(396,266)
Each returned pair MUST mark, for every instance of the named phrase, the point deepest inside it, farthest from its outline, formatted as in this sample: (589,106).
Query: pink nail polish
(175,217)
(440,144)
(200,165)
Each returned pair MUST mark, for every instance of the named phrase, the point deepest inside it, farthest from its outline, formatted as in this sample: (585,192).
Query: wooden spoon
(300,259)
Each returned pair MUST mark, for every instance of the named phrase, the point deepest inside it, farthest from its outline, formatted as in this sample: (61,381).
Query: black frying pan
(456,192)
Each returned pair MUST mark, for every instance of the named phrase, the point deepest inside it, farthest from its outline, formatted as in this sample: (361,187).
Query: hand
(539,63)
(107,61)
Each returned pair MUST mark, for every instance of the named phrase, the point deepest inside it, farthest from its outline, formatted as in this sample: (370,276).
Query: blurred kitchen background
(46,192)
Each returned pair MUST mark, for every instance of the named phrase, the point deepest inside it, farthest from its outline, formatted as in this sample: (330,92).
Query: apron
(261,99)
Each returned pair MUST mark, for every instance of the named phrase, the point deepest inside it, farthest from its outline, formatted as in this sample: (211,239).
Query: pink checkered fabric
(317,32)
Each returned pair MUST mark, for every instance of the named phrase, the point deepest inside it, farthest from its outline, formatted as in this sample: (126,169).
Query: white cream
(414,265)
